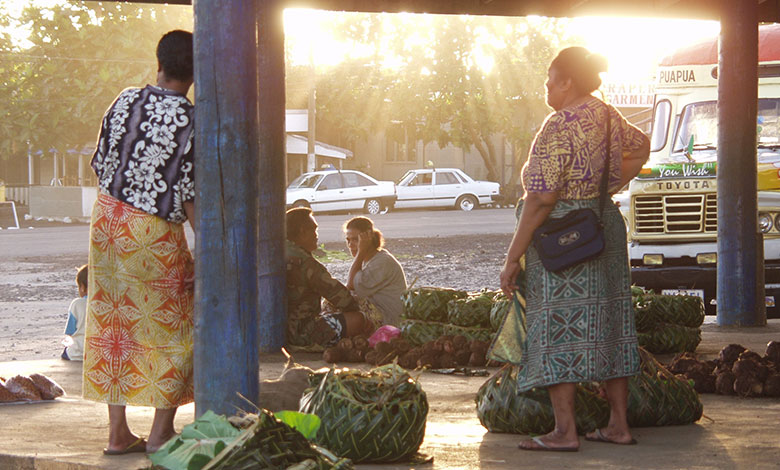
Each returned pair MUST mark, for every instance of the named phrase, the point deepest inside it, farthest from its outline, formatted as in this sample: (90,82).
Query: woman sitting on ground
(375,276)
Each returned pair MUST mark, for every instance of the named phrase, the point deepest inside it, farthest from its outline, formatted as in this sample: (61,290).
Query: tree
(461,80)
(82,55)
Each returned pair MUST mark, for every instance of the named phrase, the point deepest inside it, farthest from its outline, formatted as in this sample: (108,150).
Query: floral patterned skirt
(139,330)
(579,321)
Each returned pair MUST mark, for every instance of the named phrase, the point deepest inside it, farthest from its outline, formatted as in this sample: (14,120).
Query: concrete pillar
(272,169)
(226,169)
(739,292)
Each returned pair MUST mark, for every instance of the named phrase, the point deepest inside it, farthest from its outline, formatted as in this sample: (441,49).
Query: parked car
(445,187)
(337,190)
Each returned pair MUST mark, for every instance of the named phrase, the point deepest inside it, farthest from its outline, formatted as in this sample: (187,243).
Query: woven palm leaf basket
(374,416)
(656,397)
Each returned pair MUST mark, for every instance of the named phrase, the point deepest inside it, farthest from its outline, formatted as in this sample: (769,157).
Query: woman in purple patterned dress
(580,321)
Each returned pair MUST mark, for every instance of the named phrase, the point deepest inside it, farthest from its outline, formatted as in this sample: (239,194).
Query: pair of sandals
(138,446)
(596,436)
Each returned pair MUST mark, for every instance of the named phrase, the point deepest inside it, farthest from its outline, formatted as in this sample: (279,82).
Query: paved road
(73,239)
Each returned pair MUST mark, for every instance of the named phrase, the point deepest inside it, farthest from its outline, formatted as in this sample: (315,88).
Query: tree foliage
(460,80)
(82,54)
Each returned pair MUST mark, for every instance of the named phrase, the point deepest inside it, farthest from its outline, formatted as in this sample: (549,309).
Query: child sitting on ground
(74,329)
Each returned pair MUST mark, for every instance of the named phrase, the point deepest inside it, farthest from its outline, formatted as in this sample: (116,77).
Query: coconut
(772,386)
(383,349)
(400,345)
(409,360)
(360,342)
(702,382)
(730,353)
(427,361)
(345,343)
(773,352)
(709,366)
(355,355)
(748,354)
(477,359)
(334,354)
(460,342)
(372,357)
(748,386)
(462,357)
(48,388)
(724,383)
(449,348)
(682,362)
(746,368)
(431,348)
(447,360)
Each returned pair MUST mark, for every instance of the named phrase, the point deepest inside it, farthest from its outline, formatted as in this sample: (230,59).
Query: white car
(445,187)
(338,190)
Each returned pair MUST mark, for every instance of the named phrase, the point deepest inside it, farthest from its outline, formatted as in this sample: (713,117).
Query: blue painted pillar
(740,291)
(226,136)
(272,299)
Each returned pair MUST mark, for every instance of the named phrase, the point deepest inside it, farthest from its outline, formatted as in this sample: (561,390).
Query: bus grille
(679,213)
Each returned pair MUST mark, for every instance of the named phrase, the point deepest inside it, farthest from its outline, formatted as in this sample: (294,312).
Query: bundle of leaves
(375,416)
(656,398)
(473,310)
(501,409)
(667,323)
(213,443)
(429,303)
(682,310)
(669,338)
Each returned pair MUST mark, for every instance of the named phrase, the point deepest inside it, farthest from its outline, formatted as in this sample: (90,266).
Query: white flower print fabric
(144,154)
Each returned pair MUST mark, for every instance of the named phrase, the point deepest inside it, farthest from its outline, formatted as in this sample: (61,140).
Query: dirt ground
(35,292)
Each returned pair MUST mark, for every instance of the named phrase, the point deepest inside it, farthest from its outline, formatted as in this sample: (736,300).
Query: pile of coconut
(736,371)
(445,352)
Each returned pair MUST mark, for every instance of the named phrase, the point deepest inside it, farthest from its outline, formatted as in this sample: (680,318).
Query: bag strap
(604,191)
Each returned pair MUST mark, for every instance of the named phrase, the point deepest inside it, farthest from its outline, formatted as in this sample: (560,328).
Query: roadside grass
(324,255)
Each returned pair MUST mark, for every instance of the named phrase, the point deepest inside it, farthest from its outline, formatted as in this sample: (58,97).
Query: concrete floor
(735,433)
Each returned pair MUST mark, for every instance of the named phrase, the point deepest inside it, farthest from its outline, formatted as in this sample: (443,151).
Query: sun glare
(634,46)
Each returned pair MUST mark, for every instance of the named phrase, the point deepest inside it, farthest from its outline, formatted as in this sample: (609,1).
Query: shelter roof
(706,51)
(769,10)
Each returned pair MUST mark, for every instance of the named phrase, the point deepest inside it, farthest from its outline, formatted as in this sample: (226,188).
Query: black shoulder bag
(578,236)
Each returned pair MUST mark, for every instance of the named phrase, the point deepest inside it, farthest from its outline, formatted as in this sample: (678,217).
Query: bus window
(661,115)
(698,131)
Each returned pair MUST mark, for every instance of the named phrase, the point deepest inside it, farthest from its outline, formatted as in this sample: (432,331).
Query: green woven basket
(501,409)
(418,332)
(470,311)
(481,334)
(375,416)
(656,397)
(429,303)
(668,338)
(652,309)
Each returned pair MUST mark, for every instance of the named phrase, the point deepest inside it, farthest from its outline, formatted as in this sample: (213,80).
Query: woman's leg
(120,436)
(617,429)
(162,428)
(564,436)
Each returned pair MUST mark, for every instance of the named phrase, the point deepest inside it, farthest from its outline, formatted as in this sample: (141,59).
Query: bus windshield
(696,136)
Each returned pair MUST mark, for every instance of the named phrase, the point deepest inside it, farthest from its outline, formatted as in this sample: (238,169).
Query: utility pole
(311,163)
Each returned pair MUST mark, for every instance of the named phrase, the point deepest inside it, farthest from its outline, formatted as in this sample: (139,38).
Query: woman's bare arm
(536,208)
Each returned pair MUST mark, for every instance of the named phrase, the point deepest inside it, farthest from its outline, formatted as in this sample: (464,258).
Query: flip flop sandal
(137,446)
(600,437)
(541,446)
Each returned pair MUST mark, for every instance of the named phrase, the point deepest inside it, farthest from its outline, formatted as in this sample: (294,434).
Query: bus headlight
(765,222)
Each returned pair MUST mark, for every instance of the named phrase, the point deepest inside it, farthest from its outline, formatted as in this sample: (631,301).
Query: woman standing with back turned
(138,346)
(580,322)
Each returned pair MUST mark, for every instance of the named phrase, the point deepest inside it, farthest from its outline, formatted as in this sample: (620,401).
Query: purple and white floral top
(568,153)
(144,154)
